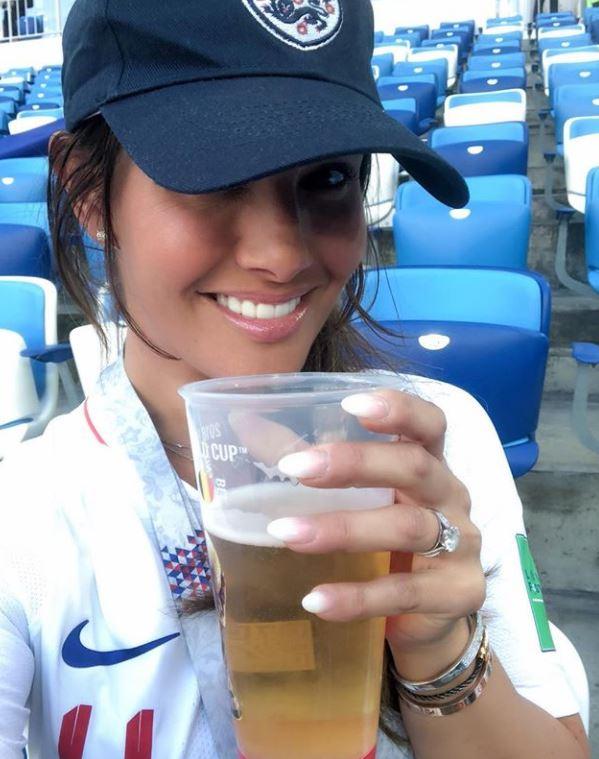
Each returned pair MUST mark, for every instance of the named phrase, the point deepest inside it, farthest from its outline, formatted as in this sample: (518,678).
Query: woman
(220,160)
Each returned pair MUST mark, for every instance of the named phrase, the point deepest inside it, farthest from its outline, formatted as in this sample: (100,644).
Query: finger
(265,440)
(397,412)
(408,467)
(400,527)
(429,592)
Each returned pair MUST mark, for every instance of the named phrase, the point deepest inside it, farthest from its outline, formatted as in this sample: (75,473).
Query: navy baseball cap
(208,94)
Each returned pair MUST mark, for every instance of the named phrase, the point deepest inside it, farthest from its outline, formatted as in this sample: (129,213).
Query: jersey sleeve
(514,610)
(20,573)
(16,675)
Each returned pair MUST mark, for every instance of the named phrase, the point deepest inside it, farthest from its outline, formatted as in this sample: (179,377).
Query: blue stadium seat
(24,251)
(485,108)
(564,43)
(592,229)
(506,48)
(423,31)
(378,36)
(492,81)
(7,106)
(497,62)
(29,214)
(28,72)
(423,93)
(444,43)
(483,150)
(12,91)
(24,113)
(469,24)
(559,74)
(384,63)
(573,100)
(504,20)
(31,143)
(431,234)
(438,68)
(498,39)
(4,119)
(485,330)
(403,111)
(413,39)
(23,180)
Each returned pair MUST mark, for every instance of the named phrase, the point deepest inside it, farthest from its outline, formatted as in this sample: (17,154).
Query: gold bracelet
(467,696)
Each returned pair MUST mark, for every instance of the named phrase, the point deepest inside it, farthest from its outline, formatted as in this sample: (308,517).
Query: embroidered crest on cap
(304,24)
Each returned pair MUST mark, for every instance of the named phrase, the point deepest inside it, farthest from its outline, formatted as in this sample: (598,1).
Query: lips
(266,330)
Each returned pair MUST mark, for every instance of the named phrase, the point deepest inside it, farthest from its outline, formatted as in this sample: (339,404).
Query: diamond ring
(448,538)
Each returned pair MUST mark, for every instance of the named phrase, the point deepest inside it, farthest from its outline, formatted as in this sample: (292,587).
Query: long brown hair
(80,179)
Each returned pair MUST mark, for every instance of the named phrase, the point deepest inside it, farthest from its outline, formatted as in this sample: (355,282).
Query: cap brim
(204,136)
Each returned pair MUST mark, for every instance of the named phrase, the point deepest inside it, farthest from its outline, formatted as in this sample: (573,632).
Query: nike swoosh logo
(75,654)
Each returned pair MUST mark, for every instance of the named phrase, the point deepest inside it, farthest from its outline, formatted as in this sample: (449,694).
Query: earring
(101,235)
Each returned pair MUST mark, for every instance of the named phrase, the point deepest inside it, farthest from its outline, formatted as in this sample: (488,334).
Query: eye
(329,178)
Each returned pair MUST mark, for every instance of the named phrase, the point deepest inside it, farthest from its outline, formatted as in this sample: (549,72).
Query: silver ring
(448,538)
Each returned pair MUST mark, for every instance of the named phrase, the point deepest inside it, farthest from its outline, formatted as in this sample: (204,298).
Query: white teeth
(253,310)
(265,311)
(248,309)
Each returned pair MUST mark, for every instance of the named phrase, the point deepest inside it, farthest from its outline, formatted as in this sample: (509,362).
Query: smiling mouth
(257,310)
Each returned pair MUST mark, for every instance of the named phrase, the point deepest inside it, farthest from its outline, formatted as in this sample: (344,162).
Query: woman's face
(278,249)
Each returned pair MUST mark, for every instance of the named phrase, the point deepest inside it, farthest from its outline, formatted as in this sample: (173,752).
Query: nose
(271,239)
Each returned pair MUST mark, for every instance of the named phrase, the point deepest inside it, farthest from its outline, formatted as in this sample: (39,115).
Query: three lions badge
(304,24)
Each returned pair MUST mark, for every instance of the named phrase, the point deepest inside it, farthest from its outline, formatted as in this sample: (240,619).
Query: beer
(302,687)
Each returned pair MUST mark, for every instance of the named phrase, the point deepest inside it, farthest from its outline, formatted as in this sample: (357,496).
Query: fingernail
(291,530)
(304,464)
(366,405)
(316,602)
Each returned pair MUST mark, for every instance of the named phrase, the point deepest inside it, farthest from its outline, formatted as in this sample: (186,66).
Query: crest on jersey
(304,24)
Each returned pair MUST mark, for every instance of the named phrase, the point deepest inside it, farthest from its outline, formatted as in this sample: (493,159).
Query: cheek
(341,237)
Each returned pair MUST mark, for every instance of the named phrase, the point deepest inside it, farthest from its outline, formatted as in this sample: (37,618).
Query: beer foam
(241,515)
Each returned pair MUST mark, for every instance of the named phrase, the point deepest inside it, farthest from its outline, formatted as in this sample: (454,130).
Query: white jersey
(99,539)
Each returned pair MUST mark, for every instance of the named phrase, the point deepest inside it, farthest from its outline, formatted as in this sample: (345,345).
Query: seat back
(581,154)
(497,189)
(592,228)
(572,73)
(473,236)
(506,79)
(384,63)
(18,394)
(497,62)
(507,47)
(502,367)
(438,68)
(28,307)
(564,43)
(485,108)
(398,51)
(24,251)
(551,58)
(508,130)
(30,214)
(574,100)
(562,31)
(380,194)
(476,158)
(459,294)
(423,54)
(18,126)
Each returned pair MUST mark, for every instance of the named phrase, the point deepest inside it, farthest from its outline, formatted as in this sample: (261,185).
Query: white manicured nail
(304,464)
(291,530)
(316,602)
(366,405)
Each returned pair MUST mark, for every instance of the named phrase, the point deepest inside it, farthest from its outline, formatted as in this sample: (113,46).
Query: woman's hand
(425,600)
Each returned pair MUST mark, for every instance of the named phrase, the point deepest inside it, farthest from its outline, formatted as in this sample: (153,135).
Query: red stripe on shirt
(91,425)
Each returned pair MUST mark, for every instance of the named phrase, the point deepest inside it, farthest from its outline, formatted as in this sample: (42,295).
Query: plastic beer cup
(301,687)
